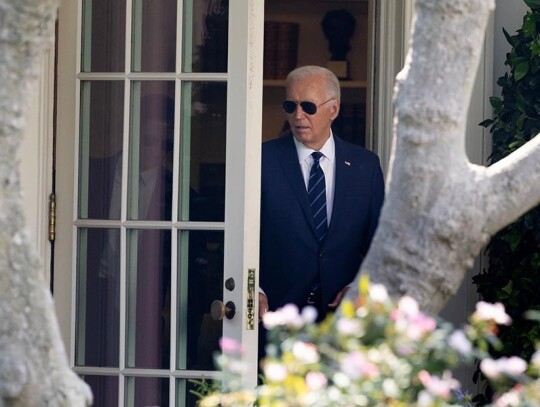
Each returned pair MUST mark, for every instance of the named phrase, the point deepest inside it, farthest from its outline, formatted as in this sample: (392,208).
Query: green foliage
(512,277)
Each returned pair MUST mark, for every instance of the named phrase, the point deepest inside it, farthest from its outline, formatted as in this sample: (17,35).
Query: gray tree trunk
(33,367)
(440,209)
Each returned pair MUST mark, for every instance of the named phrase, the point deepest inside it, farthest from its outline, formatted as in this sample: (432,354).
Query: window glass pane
(151,150)
(147,392)
(202,185)
(206,26)
(148,299)
(98,298)
(104,390)
(200,282)
(154,36)
(103,35)
(100,149)
(185,390)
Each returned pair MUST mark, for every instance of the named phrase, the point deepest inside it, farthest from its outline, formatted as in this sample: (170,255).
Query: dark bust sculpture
(338,27)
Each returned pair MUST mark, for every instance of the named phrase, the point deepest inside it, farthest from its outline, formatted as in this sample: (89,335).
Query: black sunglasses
(289,106)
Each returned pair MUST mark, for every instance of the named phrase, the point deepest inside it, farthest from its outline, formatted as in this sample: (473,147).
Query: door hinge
(250,311)
(52,217)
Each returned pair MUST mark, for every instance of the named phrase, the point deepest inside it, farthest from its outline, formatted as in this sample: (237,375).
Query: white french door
(158,169)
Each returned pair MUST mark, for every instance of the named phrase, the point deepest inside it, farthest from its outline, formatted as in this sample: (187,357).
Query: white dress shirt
(327,163)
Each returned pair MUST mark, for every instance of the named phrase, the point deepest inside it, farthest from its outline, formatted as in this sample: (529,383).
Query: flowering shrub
(377,352)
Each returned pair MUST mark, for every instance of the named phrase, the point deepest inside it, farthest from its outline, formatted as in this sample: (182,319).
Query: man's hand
(263,305)
(339,297)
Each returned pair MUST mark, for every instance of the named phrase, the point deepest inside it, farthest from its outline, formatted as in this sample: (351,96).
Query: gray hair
(332,82)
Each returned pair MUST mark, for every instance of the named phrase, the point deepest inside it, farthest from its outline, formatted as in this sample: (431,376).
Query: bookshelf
(312,48)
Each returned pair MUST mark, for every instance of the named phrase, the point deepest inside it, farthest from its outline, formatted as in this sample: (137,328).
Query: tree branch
(514,183)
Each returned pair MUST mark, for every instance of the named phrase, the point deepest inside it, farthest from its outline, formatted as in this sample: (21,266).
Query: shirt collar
(328,149)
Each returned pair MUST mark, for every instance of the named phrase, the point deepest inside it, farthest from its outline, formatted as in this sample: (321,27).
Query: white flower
(309,314)
(486,312)
(347,326)
(494,369)
(286,316)
(408,306)
(341,380)
(458,341)
(424,399)
(390,388)
(305,352)
(509,399)
(275,371)
(378,293)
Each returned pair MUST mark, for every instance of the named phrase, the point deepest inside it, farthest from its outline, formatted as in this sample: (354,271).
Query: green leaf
(507,289)
(514,146)
(521,69)
(529,25)
(533,315)
(496,103)
(486,123)
(509,38)
(514,237)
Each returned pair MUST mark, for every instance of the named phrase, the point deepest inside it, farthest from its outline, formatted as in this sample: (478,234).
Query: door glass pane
(98,298)
(104,389)
(151,150)
(147,392)
(148,299)
(202,189)
(206,35)
(200,282)
(100,149)
(154,36)
(103,35)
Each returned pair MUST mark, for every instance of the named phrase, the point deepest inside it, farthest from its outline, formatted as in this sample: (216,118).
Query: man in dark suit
(306,259)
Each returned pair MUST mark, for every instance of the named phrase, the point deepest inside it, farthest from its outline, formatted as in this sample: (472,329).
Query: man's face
(311,130)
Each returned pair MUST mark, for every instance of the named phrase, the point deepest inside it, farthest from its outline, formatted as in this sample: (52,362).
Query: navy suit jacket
(291,256)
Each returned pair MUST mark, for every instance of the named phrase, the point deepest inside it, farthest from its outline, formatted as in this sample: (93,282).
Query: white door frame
(244,126)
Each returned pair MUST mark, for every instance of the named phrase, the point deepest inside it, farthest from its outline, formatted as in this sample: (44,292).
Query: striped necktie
(317,196)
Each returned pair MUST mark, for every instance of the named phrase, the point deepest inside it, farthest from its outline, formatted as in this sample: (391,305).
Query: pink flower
(419,325)
(229,345)
(316,380)
(355,365)
(438,386)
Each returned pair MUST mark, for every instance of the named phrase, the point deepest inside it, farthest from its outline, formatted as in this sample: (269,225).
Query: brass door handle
(218,310)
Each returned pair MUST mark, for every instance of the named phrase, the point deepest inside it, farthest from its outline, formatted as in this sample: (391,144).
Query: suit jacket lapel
(293,173)
(341,184)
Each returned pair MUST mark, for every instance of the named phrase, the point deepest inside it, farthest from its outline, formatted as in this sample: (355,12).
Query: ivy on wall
(513,275)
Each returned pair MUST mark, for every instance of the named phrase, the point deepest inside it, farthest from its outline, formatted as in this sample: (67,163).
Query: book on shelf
(280,48)
(350,125)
